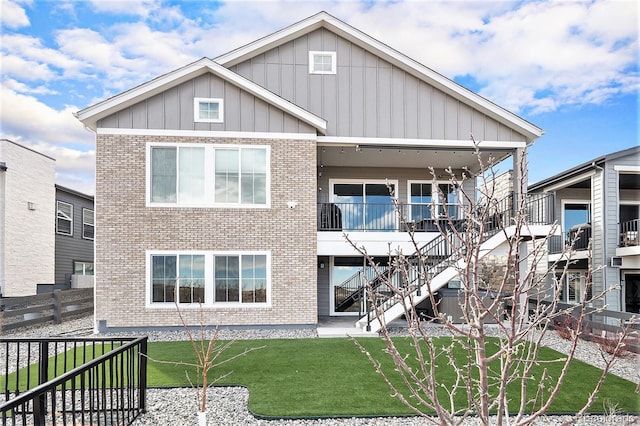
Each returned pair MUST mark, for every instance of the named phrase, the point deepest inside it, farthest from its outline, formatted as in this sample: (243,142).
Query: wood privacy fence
(55,307)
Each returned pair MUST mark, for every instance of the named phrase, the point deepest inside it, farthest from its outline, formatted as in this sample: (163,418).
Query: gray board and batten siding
(368,96)
(72,248)
(173,110)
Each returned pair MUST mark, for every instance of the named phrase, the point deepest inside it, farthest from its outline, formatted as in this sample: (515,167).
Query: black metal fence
(72,380)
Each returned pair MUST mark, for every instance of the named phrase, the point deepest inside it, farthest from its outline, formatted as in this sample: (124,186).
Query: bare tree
(497,359)
(208,349)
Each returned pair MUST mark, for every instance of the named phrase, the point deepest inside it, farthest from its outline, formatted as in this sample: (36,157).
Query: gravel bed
(228,405)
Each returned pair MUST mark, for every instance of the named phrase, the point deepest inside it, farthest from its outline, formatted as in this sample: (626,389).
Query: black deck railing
(439,254)
(382,217)
(629,233)
(73,381)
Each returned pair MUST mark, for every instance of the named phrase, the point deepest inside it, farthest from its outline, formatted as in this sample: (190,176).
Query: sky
(569,67)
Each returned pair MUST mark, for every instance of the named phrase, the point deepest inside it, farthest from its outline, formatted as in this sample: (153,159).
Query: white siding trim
(206,134)
(624,168)
(426,143)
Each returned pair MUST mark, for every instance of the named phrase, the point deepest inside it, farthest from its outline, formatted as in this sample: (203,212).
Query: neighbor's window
(83,268)
(322,62)
(229,278)
(239,175)
(64,218)
(88,228)
(208,110)
(573,287)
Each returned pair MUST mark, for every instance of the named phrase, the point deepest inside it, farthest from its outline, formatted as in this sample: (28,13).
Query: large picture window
(209,278)
(208,175)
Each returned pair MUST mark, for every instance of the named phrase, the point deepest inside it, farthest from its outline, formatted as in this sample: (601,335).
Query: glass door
(365,206)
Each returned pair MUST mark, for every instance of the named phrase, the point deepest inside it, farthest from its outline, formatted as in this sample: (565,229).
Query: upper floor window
(433,201)
(322,62)
(208,110)
(208,175)
(88,227)
(64,218)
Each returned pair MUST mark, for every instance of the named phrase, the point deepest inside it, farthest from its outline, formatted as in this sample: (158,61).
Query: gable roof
(329,22)
(91,115)
(568,174)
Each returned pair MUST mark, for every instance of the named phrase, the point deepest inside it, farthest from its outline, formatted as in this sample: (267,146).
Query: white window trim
(583,286)
(312,55)
(209,180)
(362,181)
(570,201)
(209,282)
(70,234)
(84,269)
(435,199)
(84,210)
(196,110)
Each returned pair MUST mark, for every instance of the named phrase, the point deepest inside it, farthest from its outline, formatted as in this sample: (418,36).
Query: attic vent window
(208,110)
(322,62)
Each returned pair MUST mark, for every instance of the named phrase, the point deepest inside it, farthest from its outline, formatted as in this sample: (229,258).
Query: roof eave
(91,115)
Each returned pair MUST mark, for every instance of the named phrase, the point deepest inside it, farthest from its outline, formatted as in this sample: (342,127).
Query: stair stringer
(396,310)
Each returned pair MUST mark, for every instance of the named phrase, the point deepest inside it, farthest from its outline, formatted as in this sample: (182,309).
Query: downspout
(96,329)
(605,249)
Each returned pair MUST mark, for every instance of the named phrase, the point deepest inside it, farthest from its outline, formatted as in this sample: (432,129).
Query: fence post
(40,404)
(57,308)
(142,379)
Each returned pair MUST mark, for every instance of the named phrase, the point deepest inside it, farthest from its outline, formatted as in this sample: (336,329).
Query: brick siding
(126,229)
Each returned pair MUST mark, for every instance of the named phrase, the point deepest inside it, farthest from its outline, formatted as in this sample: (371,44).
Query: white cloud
(19,87)
(57,134)
(125,7)
(24,117)
(13,14)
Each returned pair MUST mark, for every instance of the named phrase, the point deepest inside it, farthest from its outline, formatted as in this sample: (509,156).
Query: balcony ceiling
(403,158)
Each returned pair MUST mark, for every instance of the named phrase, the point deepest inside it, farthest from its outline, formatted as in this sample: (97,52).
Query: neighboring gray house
(27,209)
(228,184)
(600,200)
(75,230)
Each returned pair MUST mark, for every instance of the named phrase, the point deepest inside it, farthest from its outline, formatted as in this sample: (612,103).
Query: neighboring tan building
(27,219)
(227,185)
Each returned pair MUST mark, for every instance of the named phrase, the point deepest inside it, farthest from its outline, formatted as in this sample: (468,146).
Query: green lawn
(331,377)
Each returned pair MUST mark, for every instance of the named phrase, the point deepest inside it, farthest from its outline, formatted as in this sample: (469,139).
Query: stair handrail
(447,243)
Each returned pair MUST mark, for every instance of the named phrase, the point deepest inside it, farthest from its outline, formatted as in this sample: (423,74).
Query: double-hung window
(229,279)
(574,288)
(198,175)
(64,218)
(88,226)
